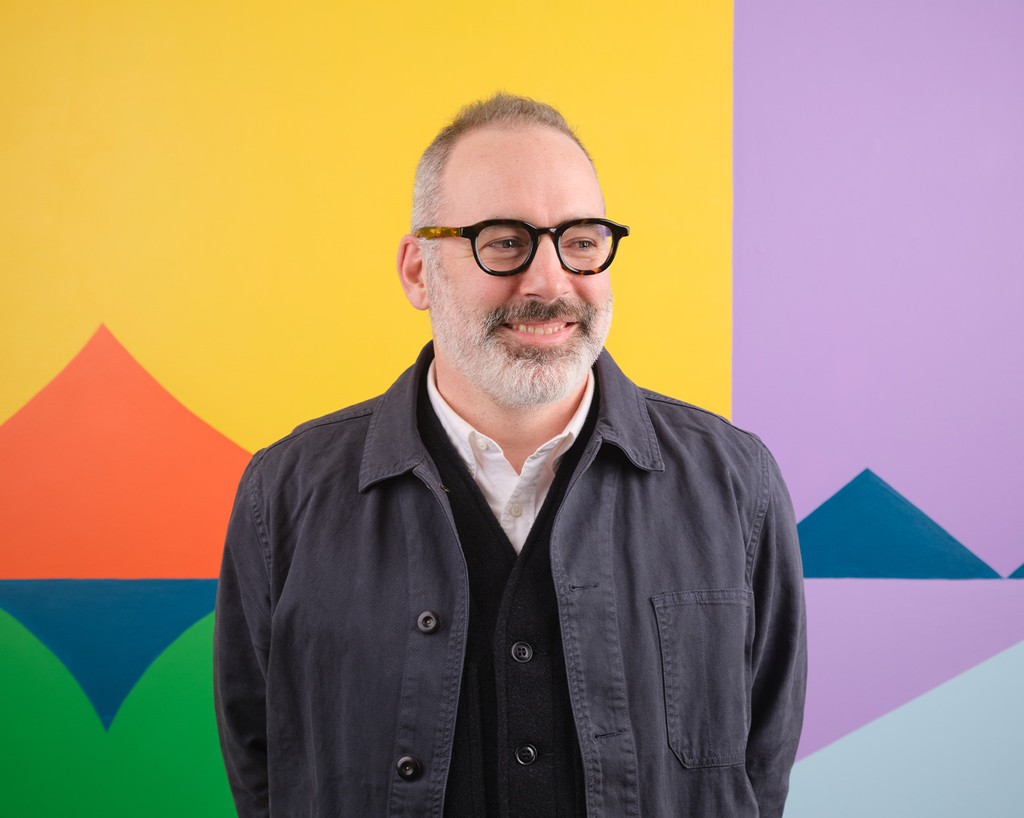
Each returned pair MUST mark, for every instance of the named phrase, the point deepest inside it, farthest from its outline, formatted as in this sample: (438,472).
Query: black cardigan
(515,752)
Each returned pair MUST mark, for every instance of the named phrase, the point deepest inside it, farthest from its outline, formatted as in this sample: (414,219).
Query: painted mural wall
(199,209)
(879,351)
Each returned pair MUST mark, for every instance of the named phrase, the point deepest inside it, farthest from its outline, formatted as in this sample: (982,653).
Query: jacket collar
(393,445)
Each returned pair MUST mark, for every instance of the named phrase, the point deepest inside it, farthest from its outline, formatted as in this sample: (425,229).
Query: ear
(410,272)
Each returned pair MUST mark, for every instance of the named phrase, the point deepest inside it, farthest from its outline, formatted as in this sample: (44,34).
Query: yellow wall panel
(224,184)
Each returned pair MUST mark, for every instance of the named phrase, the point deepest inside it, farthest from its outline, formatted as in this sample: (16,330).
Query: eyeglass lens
(504,247)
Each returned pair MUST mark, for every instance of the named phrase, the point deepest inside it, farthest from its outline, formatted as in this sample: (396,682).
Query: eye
(510,243)
(584,240)
(503,240)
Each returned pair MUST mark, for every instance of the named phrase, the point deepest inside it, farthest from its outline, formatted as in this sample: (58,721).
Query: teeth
(538,330)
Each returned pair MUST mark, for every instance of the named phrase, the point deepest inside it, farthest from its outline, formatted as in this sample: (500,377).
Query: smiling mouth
(542,323)
(549,328)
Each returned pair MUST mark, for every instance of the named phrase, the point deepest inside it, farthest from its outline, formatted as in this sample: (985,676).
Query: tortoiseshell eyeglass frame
(471,232)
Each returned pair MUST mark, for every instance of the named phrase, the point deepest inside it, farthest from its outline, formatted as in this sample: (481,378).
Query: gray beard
(521,375)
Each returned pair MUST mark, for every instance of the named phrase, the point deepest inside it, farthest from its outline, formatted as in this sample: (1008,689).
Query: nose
(545,279)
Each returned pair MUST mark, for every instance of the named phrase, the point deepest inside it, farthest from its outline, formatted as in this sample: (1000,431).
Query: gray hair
(501,110)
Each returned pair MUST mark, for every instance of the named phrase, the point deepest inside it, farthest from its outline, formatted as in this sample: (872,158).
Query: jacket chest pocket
(706,669)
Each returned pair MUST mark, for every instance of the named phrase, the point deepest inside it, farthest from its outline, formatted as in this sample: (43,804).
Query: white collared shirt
(514,498)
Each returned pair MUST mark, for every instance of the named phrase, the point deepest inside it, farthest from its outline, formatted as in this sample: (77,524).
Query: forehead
(532,173)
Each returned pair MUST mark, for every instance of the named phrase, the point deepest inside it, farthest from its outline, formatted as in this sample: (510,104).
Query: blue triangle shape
(869,530)
(107,632)
(1018,574)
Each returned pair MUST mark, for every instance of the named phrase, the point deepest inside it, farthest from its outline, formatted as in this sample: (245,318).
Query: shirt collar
(464,437)
(393,445)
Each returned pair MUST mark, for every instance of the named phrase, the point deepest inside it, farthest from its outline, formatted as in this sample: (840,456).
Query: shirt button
(526,754)
(481,444)
(522,652)
(409,769)
(428,622)
(515,509)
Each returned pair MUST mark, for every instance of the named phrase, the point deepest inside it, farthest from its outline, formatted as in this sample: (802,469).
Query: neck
(519,430)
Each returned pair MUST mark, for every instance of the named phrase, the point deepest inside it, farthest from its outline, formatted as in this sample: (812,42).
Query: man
(515,584)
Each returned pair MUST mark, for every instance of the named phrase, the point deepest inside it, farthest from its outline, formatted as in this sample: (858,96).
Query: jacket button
(409,768)
(526,754)
(428,622)
(522,651)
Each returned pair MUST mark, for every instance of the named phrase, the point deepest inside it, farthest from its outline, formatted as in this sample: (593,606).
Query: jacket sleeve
(241,647)
(779,660)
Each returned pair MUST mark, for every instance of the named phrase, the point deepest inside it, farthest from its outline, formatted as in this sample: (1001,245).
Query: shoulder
(329,442)
(716,458)
(713,456)
(342,421)
(656,431)
(349,448)
(690,426)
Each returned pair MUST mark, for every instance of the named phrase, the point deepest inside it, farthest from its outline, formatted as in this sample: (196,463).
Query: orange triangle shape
(104,474)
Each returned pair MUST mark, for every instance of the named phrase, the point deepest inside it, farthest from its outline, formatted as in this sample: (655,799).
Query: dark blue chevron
(107,632)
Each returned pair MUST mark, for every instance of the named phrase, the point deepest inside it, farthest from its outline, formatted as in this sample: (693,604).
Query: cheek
(490,292)
(457,256)
(595,290)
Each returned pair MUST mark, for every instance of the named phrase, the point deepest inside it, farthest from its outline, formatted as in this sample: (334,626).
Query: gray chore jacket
(343,605)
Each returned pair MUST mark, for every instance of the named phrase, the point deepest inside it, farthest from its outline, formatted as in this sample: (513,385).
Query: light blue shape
(955,752)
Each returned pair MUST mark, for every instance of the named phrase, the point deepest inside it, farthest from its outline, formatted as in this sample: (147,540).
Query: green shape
(160,757)
(165,747)
(867,529)
(52,745)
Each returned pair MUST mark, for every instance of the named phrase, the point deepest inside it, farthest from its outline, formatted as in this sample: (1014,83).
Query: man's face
(527,339)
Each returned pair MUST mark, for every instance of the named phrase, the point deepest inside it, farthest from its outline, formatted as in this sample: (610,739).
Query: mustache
(561,309)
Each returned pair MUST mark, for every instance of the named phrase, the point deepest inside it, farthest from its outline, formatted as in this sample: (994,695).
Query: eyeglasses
(505,247)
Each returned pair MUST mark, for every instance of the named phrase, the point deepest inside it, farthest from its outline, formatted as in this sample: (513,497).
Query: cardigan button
(526,754)
(409,768)
(522,652)
(428,622)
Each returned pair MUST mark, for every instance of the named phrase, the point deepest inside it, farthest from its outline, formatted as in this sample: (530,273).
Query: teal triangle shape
(1018,574)
(869,530)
